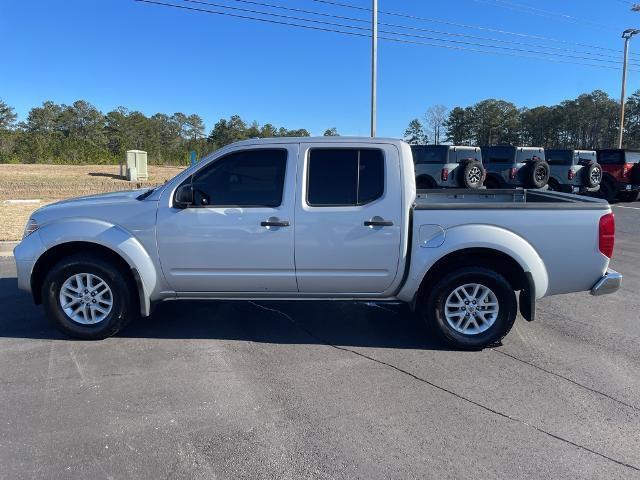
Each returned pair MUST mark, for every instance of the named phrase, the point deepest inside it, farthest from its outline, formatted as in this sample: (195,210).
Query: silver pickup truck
(315,218)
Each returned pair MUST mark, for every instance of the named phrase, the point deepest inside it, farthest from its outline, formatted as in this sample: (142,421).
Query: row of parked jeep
(610,174)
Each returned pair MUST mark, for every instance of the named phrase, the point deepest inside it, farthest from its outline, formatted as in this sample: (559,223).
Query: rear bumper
(628,187)
(609,283)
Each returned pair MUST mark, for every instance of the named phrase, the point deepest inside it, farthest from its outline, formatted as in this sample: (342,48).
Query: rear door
(348,218)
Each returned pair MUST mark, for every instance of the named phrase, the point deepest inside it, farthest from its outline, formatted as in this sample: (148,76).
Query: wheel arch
(479,245)
(100,238)
(425,177)
(494,177)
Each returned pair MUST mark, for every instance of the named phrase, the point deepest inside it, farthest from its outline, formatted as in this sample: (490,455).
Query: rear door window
(344,176)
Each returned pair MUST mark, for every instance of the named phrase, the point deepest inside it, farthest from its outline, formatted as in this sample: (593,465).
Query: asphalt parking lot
(325,390)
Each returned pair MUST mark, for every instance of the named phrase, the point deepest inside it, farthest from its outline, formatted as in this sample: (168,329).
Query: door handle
(378,222)
(274,222)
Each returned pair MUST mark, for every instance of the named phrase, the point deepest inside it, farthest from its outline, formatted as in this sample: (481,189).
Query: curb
(6,248)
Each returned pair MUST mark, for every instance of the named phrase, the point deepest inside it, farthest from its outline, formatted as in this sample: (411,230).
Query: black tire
(491,183)
(634,174)
(423,182)
(592,175)
(537,174)
(122,290)
(434,307)
(553,185)
(628,196)
(472,174)
(607,190)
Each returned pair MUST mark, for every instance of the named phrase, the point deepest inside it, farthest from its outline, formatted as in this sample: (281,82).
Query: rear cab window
(499,155)
(559,157)
(586,157)
(632,157)
(464,154)
(529,155)
(344,177)
(430,154)
(610,157)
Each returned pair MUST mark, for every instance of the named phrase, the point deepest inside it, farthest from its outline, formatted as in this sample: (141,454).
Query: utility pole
(627,34)
(374,65)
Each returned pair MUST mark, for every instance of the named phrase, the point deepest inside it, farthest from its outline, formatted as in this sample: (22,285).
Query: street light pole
(627,34)
(374,66)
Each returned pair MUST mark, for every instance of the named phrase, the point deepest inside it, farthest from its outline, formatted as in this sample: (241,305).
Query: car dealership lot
(326,390)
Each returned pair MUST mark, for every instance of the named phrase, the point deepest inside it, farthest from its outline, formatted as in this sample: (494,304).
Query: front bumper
(609,283)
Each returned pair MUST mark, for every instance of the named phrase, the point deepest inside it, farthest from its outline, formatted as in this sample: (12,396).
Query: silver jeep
(447,166)
(574,171)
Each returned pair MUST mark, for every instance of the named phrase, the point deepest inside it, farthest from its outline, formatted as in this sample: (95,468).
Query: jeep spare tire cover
(538,174)
(592,175)
(472,174)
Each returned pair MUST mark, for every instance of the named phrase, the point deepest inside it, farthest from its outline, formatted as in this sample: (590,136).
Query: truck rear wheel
(471,308)
(87,297)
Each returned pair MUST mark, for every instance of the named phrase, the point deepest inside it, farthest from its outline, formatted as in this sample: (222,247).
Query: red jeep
(621,176)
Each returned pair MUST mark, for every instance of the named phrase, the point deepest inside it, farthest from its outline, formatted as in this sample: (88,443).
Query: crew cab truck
(315,218)
(573,171)
(509,166)
(621,177)
(447,166)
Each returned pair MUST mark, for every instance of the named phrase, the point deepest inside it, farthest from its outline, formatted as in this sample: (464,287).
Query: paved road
(325,390)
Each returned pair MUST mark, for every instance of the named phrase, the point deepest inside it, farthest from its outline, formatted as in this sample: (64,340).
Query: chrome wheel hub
(86,298)
(596,176)
(471,309)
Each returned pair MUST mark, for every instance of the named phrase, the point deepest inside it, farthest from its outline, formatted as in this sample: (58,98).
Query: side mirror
(184,196)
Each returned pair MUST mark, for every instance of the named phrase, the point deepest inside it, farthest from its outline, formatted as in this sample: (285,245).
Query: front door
(238,235)
(348,218)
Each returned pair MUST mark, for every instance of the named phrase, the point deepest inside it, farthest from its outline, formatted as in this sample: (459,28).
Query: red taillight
(513,173)
(626,169)
(607,234)
(444,175)
(571,175)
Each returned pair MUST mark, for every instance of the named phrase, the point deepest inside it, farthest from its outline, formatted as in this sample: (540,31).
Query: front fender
(474,236)
(113,237)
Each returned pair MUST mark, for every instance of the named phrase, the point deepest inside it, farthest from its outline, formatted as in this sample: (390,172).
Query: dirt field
(49,183)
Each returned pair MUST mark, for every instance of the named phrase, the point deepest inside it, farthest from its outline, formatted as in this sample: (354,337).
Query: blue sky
(158,59)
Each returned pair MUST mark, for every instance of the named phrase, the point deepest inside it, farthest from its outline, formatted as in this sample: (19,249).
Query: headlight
(31,227)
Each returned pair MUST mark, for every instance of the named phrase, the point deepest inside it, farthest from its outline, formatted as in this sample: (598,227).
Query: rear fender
(475,236)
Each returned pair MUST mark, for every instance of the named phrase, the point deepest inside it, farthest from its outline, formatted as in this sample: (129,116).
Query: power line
(407,27)
(462,25)
(367,35)
(518,7)
(400,34)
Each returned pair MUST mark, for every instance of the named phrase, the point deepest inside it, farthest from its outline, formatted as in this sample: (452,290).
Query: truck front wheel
(471,308)
(87,297)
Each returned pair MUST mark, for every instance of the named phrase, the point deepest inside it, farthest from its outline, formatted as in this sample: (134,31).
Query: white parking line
(632,208)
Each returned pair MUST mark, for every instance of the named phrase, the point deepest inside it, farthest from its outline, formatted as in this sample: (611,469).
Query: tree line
(80,133)
(589,121)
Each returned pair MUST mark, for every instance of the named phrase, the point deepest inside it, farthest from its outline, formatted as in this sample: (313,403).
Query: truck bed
(516,198)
